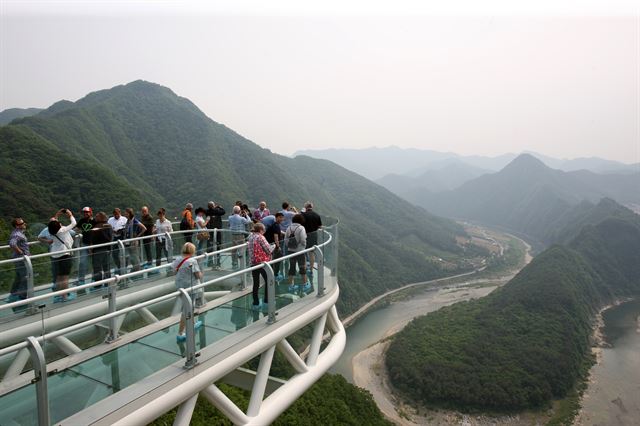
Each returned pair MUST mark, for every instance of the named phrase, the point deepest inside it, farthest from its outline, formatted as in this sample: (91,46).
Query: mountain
(141,143)
(528,342)
(375,163)
(446,175)
(527,196)
(8,115)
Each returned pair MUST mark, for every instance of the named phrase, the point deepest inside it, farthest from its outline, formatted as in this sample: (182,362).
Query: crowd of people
(272,236)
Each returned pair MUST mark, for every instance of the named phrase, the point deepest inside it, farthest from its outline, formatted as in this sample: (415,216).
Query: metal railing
(119,245)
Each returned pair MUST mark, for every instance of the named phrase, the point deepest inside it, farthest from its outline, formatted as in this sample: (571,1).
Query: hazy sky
(557,77)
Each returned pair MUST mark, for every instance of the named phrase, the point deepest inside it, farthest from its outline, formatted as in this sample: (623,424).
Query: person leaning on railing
(19,248)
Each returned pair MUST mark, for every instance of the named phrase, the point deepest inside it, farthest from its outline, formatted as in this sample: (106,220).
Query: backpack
(292,242)
(184,223)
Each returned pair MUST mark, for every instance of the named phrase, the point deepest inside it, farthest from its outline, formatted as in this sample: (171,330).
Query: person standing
(237,226)
(202,235)
(148,222)
(163,244)
(84,226)
(312,224)
(60,249)
(296,240)
(261,212)
(117,223)
(133,229)
(188,274)
(19,248)
(46,238)
(215,213)
(101,234)
(259,252)
(187,222)
(273,234)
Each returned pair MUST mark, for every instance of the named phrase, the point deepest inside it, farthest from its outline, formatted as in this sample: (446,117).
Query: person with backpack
(296,238)
(188,274)
(259,252)
(187,222)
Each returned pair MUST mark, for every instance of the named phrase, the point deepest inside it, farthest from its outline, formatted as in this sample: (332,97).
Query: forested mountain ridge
(8,115)
(140,143)
(527,342)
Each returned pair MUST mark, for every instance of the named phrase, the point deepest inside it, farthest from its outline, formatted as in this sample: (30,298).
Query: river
(613,395)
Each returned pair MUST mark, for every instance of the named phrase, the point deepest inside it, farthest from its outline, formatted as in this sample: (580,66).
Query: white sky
(557,77)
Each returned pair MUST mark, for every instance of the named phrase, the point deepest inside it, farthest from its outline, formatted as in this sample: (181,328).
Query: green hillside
(140,143)
(527,342)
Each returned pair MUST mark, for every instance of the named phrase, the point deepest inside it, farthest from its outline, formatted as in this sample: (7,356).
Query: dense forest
(527,342)
(141,144)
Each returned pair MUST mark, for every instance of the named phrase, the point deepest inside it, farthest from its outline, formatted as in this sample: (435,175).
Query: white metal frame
(320,310)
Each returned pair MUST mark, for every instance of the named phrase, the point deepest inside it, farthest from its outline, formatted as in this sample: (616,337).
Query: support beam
(292,356)
(185,412)
(66,345)
(259,386)
(147,315)
(316,340)
(222,402)
(18,364)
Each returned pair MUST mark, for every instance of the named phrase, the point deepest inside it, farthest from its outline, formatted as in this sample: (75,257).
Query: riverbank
(612,395)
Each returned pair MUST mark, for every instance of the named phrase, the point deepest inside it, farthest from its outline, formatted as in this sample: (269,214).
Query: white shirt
(117,224)
(162,228)
(62,240)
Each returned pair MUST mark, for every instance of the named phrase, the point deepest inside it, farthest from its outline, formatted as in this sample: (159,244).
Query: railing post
(169,247)
(28,266)
(270,290)
(113,321)
(243,264)
(320,262)
(187,312)
(40,372)
(122,255)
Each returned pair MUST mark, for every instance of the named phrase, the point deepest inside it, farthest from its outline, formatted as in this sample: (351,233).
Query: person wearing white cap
(84,226)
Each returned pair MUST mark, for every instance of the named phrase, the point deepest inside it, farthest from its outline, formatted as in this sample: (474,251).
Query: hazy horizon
(563,85)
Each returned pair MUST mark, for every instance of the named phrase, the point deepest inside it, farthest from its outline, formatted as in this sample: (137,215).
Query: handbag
(202,236)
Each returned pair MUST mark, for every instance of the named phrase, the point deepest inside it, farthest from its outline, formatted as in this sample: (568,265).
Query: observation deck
(111,355)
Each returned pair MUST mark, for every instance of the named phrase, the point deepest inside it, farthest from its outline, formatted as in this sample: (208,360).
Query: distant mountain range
(8,115)
(140,143)
(376,163)
(529,197)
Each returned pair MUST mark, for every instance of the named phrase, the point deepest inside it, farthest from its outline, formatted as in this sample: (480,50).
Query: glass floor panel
(68,393)
(126,365)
